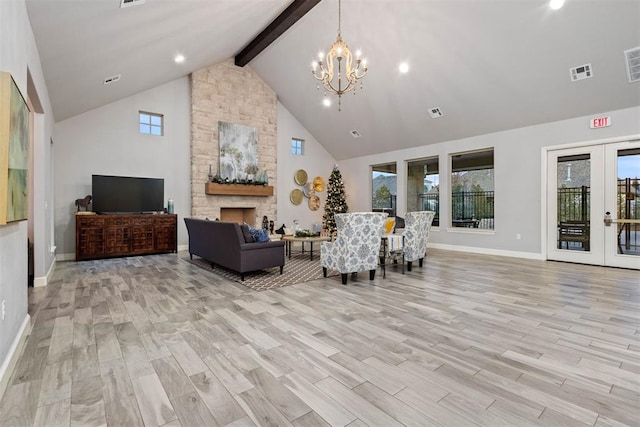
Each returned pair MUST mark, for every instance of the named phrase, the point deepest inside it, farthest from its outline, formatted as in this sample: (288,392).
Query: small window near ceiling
(151,123)
(297,146)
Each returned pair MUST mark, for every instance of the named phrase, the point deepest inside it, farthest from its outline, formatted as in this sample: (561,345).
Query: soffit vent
(580,73)
(112,79)
(355,134)
(128,3)
(435,112)
(633,64)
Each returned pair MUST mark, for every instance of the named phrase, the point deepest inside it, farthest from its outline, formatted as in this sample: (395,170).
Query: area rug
(298,269)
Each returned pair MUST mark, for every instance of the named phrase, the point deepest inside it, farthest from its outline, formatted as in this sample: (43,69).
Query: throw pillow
(389,224)
(262,235)
(246,233)
(399,222)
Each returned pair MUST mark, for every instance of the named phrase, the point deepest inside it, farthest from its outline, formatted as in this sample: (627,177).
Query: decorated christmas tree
(336,200)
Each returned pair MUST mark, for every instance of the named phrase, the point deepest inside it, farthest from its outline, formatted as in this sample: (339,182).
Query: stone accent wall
(224,92)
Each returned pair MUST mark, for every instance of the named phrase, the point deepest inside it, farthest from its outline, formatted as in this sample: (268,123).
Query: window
(297,146)
(383,184)
(472,190)
(423,187)
(151,123)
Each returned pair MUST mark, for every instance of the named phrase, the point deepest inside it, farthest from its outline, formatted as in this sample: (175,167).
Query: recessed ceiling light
(403,67)
(326,102)
(556,4)
(179,58)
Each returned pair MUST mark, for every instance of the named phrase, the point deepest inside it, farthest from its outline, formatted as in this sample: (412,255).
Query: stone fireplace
(224,92)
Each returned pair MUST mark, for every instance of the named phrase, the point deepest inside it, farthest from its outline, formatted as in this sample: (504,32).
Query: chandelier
(339,73)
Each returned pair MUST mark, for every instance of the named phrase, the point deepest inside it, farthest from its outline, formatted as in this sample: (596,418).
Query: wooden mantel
(213,189)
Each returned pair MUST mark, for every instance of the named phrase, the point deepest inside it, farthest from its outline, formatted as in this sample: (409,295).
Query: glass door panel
(623,191)
(575,214)
(573,201)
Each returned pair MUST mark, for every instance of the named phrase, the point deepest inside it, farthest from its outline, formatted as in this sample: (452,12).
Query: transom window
(297,146)
(151,123)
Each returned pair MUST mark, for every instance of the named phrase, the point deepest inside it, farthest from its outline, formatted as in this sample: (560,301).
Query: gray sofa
(222,244)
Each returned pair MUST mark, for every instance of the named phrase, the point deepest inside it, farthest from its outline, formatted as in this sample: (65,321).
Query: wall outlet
(3,309)
(518,236)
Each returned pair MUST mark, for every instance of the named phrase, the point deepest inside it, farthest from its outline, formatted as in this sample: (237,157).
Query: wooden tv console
(106,236)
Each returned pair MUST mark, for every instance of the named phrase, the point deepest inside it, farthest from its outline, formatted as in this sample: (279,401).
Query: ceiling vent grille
(355,134)
(633,64)
(435,112)
(580,73)
(112,79)
(128,3)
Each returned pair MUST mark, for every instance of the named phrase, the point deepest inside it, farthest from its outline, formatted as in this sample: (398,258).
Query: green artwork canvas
(14,147)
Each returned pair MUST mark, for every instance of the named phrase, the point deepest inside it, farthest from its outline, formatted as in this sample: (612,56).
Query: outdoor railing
(472,209)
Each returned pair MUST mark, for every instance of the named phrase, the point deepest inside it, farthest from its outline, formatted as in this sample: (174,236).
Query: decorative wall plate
(300,177)
(318,184)
(314,203)
(309,190)
(296,196)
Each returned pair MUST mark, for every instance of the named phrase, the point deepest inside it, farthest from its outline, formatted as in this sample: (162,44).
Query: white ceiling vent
(580,73)
(112,79)
(633,64)
(355,134)
(128,3)
(435,112)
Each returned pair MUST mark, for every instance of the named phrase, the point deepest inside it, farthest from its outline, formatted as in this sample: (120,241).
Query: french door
(593,210)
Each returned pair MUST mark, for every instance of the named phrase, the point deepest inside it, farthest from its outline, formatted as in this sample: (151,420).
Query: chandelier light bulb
(326,102)
(556,4)
(320,56)
(403,67)
(314,65)
(358,54)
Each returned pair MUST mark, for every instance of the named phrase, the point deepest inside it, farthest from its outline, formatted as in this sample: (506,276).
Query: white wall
(518,178)
(18,53)
(316,161)
(106,141)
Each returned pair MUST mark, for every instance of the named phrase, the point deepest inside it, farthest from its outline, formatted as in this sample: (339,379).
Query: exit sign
(600,122)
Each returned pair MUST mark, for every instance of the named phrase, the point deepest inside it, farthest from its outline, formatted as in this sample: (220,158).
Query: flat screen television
(125,194)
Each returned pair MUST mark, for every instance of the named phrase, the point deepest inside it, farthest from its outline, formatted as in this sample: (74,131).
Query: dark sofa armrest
(258,246)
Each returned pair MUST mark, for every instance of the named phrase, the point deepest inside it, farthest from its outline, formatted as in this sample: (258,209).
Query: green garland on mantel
(306,233)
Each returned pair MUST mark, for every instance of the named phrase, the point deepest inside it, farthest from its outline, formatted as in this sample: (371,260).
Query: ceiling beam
(282,23)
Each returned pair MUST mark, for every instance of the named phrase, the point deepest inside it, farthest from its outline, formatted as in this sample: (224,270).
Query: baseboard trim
(72,256)
(10,362)
(66,257)
(39,282)
(487,251)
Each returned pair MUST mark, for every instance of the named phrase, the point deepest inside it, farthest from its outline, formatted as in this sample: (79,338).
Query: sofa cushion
(247,234)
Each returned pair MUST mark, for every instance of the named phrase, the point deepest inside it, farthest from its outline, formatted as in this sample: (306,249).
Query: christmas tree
(336,200)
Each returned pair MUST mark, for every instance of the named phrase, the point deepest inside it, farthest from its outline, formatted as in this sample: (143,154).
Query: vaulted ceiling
(489,65)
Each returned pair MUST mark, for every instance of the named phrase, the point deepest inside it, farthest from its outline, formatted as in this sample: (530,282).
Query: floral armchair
(416,234)
(356,245)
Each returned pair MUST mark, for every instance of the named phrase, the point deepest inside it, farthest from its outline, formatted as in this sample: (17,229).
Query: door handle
(607,219)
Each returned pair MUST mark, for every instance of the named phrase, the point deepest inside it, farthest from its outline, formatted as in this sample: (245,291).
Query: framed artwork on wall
(238,151)
(14,151)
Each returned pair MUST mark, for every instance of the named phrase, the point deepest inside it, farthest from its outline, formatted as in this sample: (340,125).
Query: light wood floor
(466,340)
